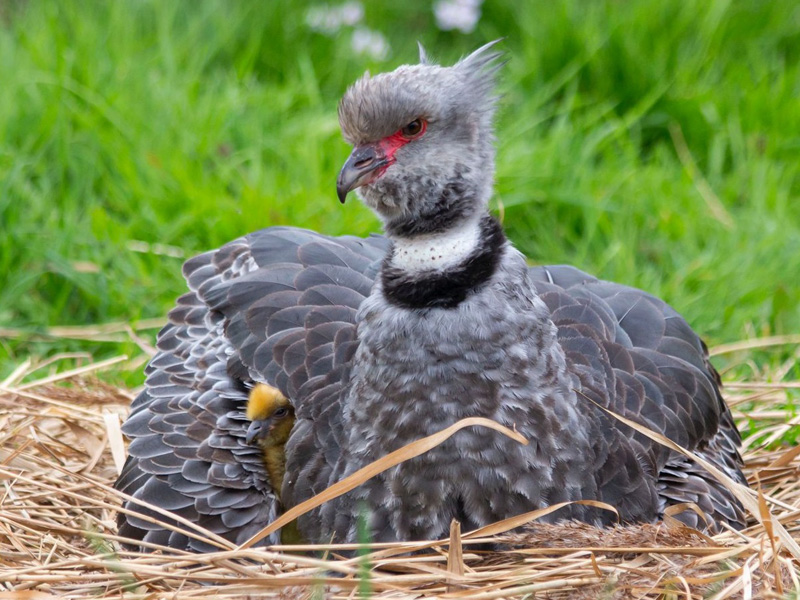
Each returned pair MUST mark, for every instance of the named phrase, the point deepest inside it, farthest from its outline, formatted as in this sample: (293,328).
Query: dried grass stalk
(61,449)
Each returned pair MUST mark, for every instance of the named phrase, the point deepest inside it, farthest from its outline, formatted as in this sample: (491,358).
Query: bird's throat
(436,251)
(440,270)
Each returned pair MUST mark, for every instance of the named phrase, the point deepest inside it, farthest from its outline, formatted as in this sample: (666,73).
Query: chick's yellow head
(263,401)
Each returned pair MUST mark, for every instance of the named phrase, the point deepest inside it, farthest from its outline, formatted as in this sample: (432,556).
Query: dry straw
(61,449)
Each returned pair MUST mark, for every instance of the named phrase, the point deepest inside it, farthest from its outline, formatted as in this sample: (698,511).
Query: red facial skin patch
(392,143)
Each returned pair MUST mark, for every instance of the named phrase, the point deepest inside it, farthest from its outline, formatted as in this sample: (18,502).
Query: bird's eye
(414,129)
(280,412)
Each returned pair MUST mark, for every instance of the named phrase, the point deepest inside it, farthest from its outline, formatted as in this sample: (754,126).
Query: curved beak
(360,168)
(255,430)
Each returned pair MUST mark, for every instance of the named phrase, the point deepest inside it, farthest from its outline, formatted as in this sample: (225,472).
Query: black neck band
(448,288)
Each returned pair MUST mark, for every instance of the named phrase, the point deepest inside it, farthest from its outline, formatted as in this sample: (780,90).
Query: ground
(61,448)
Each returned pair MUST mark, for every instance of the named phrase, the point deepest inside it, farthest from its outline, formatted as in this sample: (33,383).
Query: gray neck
(431,205)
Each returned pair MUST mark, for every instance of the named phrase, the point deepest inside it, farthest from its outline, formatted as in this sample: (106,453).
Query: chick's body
(272,417)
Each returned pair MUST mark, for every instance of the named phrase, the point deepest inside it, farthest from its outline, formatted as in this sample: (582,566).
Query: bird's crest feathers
(423,55)
(375,107)
(481,67)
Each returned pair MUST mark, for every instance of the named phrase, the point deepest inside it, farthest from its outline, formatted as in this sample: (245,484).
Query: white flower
(351,13)
(369,42)
(330,19)
(457,14)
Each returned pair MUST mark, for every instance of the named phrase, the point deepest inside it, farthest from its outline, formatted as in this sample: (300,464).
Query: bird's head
(271,416)
(422,136)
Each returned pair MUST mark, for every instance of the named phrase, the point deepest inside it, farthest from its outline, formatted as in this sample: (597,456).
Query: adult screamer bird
(378,342)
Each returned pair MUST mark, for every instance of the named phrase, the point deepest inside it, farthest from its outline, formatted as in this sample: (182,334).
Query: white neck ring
(436,251)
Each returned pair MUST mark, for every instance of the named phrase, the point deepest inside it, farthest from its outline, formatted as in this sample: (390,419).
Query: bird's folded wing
(635,355)
(277,306)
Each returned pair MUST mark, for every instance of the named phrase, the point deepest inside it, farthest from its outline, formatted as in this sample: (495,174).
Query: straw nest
(61,449)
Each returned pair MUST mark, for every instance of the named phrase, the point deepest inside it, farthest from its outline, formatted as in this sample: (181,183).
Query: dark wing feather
(277,306)
(654,369)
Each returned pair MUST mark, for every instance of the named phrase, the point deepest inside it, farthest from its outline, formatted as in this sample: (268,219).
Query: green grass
(190,123)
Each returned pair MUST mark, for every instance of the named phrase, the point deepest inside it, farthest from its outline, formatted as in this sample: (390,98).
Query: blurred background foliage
(656,143)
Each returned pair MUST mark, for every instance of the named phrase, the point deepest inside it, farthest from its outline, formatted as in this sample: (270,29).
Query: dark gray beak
(254,431)
(359,168)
